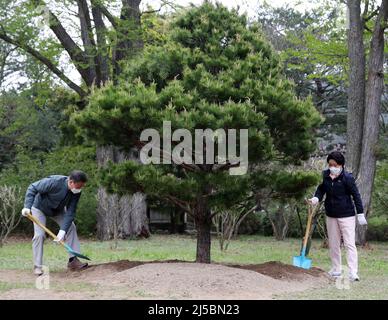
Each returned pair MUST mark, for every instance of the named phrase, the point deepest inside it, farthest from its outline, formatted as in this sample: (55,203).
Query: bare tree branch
(112,19)
(42,59)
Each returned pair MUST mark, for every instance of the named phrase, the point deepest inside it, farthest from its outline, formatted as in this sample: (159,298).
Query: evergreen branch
(181,204)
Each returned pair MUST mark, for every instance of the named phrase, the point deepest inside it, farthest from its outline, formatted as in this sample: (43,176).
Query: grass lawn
(373,263)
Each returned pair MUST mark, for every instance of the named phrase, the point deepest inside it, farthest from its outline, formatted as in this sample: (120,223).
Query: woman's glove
(361,219)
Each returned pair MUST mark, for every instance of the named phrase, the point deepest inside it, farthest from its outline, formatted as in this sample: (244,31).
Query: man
(56,197)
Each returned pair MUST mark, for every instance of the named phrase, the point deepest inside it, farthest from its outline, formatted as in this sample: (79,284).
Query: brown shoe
(75,265)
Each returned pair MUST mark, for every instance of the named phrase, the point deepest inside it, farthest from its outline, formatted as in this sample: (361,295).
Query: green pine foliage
(214,71)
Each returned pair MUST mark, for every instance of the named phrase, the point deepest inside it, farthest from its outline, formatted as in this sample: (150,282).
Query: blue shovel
(68,248)
(301,261)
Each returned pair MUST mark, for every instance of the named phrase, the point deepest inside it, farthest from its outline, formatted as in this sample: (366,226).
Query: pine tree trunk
(203,225)
(374,91)
(129,212)
(356,90)
(203,241)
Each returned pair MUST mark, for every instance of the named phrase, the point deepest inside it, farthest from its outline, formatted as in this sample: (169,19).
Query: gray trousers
(71,237)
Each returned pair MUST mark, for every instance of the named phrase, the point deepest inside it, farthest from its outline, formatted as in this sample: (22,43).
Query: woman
(339,186)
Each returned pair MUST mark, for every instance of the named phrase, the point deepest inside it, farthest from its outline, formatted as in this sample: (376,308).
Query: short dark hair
(78,176)
(337,157)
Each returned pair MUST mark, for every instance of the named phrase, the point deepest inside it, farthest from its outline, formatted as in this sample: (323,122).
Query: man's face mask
(76,187)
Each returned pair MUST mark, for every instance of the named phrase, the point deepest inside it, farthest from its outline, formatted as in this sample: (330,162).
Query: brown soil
(278,270)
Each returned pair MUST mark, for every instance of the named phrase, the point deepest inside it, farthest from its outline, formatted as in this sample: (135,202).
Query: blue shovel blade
(302,262)
(79,255)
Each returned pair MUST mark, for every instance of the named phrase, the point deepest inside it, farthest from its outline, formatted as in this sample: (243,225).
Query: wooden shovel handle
(35,220)
(309,219)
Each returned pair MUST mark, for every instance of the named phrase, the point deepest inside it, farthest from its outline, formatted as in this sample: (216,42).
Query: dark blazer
(339,191)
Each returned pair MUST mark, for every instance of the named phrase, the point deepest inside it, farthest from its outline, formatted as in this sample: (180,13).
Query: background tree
(94,38)
(277,190)
(312,45)
(364,99)
(9,211)
(213,72)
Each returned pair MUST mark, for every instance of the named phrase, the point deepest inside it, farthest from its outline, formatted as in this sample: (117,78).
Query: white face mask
(335,170)
(75,191)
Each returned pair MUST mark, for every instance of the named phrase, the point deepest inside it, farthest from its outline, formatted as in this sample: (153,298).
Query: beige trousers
(344,228)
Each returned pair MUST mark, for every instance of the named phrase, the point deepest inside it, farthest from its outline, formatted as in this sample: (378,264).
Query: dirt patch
(170,279)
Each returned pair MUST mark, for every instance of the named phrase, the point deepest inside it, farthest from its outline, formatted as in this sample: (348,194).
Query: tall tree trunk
(356,91)
(129,32)
(87,39)
(203,225)
(134,220)
(129,212)
(102,46)
(374,91)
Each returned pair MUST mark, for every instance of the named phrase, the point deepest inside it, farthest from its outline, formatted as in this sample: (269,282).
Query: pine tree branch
(181,204)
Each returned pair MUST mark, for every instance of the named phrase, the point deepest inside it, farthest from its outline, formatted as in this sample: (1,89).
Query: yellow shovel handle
(309,219)
(35,220)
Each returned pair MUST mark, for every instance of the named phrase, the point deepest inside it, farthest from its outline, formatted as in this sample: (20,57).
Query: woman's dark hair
(78,176)
(337,157)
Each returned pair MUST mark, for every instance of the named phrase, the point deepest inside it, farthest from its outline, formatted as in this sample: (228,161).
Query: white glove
(60,236)
(361,219)
(26,212)
(314,200)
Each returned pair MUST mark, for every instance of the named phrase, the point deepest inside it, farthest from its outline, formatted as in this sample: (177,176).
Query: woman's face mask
(334,167)
(335,170)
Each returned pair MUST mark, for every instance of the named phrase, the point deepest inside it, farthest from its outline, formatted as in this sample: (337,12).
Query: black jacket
(338,202)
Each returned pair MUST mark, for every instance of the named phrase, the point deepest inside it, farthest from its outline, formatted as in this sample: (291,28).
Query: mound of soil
(97,271)
(273,269)
(182,280)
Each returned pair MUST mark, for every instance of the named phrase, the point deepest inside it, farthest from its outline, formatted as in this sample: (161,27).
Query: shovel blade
(77,254)
(302,262)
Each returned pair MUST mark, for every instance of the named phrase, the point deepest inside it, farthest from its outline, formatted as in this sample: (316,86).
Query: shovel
(68,248)
(301,261)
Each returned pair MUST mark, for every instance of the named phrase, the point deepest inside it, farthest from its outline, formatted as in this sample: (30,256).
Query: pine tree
(214,71)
